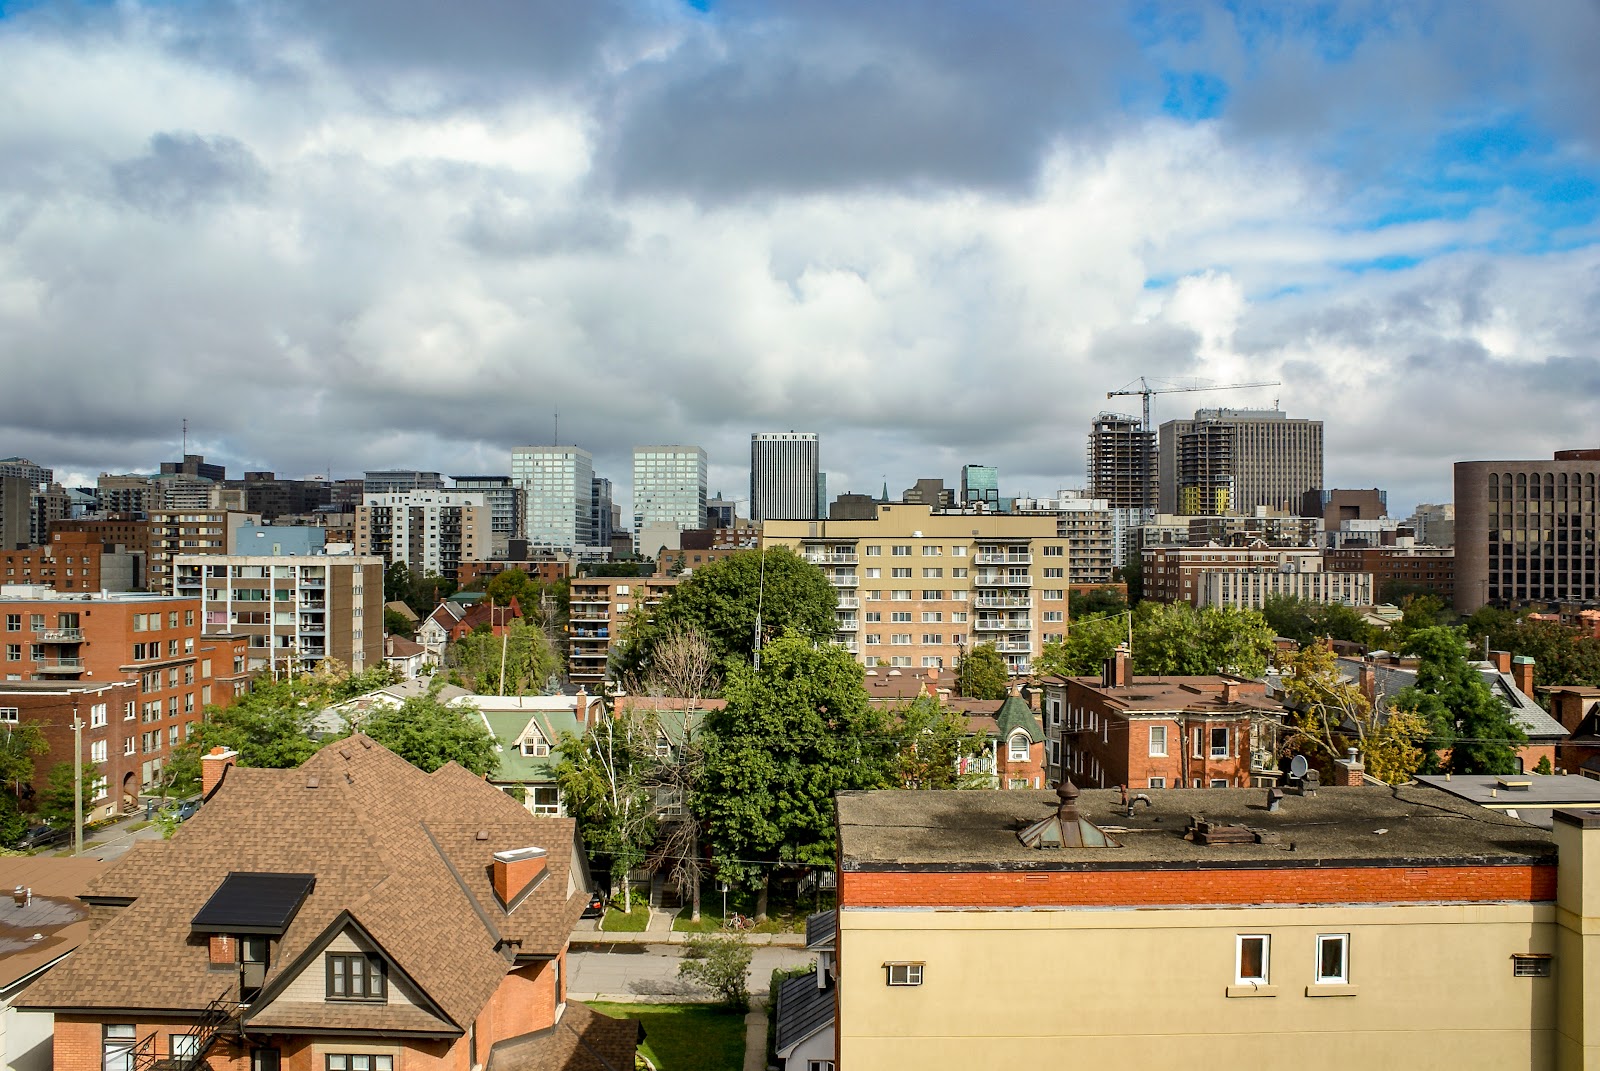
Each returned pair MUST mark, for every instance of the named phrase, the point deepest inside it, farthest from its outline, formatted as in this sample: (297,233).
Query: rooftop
(52,923)
(945,830)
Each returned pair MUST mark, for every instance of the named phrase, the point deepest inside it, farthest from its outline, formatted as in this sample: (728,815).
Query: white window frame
(1158,751)
(1265,976)
(532,793)
(1342,976)
(903,973)
(1018,746)
(1156,782)
(1218,752)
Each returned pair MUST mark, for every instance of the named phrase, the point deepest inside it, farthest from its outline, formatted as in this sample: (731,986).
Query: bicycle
(737,921)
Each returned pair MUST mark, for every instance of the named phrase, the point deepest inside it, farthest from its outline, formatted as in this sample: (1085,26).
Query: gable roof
(803,1009)
(395,848)
(1528,715)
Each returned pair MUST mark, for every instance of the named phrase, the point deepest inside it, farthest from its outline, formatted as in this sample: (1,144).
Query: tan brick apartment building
(190,531)
(598,609)
(1152,732)
(293,612)
(918,588)
(156,642)
(431,531)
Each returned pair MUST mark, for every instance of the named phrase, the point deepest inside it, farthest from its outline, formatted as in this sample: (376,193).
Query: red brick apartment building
(1427,569)
(1152,732)
(153,643)
(73,561)
(355,914)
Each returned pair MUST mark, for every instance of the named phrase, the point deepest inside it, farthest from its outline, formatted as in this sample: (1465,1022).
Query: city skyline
(334,237)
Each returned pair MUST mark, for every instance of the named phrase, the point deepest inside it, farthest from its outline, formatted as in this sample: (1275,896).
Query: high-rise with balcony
(917,589)
(1234,460)
(430,531)
(669,489)
(557,485)
(785,469)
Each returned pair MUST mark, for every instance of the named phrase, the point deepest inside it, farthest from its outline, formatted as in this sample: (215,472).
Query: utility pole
(77,781)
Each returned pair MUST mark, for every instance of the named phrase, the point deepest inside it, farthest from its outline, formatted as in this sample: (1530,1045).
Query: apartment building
(598,608)
(504,500)
(1233,460)
(918,588)
(108,713)
(116,529)
(1525,531)
(73,561)
(292,612)
(189,531)
(1122,463)
(1249,589)
(1174,574)
(430,531)
(1401,568)
(399,481)
(1091,529)
(1356,927)
(157,642)
(558,489)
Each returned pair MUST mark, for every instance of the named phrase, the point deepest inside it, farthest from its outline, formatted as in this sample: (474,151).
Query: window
(932,617)
(544,799)
(535,745)
(900,595)
(13,622)
(1156,782)
(874,552)
(931,638)
(669,801)
(117,1042)
(1219,742)
(899,573)
(1054,552)
(1052,615)
(874,617)
(932,595)
(663,746)
(904,973)
(1054,572)
(1052,594)
(97,751)
(819,1065)
(353,976)
(184,1046)
(1333,958)
(97,716)
(1530,965)
(901,550)
(902,639)
(13,652)
(933,574)
(874,637)
(1219,782)
(264,1060)
(1158,740)
(874,573)
(932,552)
(900,617)
(359,1061)
(1055,752)
(1018,750)
(10,715)
(1250,967)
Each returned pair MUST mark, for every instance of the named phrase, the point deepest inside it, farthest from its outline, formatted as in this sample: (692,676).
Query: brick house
(354,914)
(1152,732)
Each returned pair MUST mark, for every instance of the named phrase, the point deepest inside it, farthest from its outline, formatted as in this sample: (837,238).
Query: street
(652,970)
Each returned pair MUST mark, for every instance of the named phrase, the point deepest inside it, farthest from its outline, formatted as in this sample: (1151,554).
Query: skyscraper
(784,468)
(1233,460)
(1122,463)
(557,484)
(669,487)
(980,486)
(600,511)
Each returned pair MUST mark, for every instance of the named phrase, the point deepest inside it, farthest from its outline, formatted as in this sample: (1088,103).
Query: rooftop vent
(1516,784)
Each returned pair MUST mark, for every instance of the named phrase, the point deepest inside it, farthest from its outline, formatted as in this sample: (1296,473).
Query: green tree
(20,744)
(1132,575)
(55,803)
(1329,715)
(524,651)
(428,733)
(1418,612)
(1096,602)
(1456,705)
(397,583)
(13,823)
(982,673)
(720,601)
(396,623)
(1175,639)
(602,781)
(510,584)
(720,964)
(1090,642)
(789,737)
(931,742)
(268,726)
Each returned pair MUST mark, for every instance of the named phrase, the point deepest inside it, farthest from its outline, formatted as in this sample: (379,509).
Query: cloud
(182,171)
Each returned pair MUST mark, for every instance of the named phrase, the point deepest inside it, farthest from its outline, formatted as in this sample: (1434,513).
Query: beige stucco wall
(1577,966)
(1149,988)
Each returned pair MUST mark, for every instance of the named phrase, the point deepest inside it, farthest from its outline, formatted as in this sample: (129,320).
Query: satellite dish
(1298,767)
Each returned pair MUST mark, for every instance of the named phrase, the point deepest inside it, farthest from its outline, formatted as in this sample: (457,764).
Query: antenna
(555,436)
(185,437)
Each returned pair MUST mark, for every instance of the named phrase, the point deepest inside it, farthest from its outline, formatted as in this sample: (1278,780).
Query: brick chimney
(1501,660)
(581,707)
(1522,674)
(1368,680)
(213,766)
(1119,668)
(1230,691)
(517,870)
(1350,771)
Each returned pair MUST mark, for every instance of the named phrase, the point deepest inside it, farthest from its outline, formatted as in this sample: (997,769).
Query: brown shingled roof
(394,847)
(584,1040)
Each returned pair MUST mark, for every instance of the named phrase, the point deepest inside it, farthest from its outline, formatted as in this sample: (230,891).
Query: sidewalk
(590,939)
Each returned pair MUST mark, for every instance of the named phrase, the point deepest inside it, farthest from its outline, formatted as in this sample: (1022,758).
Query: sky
(396,234)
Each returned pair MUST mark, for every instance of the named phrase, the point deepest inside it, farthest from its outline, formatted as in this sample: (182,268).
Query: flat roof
(1377,826)
(1533,804)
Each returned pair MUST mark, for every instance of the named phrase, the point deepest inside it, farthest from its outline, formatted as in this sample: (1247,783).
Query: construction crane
(1147,391)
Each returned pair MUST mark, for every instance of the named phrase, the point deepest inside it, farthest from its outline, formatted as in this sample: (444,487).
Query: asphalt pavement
(639,971)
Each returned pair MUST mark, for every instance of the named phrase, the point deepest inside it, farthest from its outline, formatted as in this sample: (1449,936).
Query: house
(1153,732)
(460,615)
(804,1038)
(41,923)
(354,914)
(1217,929)
(406,657)
(527,730)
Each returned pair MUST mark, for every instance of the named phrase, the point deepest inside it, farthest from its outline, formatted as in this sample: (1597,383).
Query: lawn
(783,917)
(636,921)
(686,1037)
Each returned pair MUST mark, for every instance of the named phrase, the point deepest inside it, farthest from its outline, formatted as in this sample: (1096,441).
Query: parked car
(186,809)
(41,836)
(596,906)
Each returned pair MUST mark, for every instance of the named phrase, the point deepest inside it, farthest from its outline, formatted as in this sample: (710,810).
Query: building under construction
(1122,463)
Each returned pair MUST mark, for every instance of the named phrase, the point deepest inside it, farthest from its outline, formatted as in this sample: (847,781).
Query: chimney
(213,767)
(581,706)
(1501,660)
(1350,771)
(1119,668)
(1230,691)
(516,871)
(1522,674)
(1369,682)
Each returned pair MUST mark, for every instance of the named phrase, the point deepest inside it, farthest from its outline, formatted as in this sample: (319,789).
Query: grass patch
(782,917)
(686,1037)
(635,921)
(138,826)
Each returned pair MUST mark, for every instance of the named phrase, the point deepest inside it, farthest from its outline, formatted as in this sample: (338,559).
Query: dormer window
(663,746)
(1019,747)
(535,745)
(354,976)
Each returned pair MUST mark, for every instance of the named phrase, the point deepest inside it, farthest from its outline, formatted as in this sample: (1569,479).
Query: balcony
(1004,624)
(849,645)
(61,635)
(847,557)
(848,602)
(576,615)
(989,557)
(846,624)
(1004,602)
(1002,580)
(1013,646)
(844,580)
(313,628)
(60,665)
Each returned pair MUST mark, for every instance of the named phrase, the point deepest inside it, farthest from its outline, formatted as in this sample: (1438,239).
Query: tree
(1418,612)
(1329,715)
(396,623)
(789,737)
(428,733)
(602,781)
(510,584)
(13,823)
(1132,575)
(1090,642)
(55,804)
(1457,707)
(683,674)
(931,742)
(720,964)
(1175,639)
(720,602)
(1097,602)
(524,651)
(19,745)
(982,674)
(397,583)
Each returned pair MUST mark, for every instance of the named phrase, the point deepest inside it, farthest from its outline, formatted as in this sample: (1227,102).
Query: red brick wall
(1103,888)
